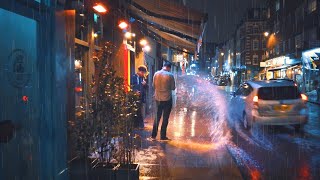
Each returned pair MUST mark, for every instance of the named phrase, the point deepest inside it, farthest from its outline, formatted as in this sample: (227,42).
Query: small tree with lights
(107,132)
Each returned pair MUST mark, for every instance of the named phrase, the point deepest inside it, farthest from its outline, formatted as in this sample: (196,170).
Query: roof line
(159,39)
(157,26)
(150,13)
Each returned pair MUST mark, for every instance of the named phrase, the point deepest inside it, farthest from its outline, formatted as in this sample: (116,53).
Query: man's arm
(173,83)
(153,82)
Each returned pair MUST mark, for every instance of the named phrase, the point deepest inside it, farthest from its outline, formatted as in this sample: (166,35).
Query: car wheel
(246,123)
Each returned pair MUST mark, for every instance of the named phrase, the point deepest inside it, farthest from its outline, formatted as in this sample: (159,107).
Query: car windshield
(278,93)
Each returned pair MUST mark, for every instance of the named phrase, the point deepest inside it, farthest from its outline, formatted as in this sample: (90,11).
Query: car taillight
(304,97)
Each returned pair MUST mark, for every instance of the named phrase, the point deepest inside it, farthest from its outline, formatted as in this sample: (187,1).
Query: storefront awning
(180,25)
(285,66)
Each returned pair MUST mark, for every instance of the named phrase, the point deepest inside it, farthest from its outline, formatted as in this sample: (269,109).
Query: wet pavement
(277,152)
(199,133)
(209,143)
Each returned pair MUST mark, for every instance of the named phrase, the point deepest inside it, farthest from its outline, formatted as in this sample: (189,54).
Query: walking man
(139,85)
(164,84)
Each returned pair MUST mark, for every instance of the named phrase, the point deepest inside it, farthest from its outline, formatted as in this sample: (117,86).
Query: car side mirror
(233,94)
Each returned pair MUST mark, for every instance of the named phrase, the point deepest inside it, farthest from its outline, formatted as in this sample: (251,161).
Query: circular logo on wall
(17,71)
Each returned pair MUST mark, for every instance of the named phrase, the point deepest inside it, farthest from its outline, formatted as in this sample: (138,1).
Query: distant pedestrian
(164,84)
(139,85)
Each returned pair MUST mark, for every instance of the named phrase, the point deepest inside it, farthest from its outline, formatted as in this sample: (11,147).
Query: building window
(255,59)
(255,44)
(264,44)
(312,5)
(277,5)
(255,29)
(255,14)
(248,62)
(298,41)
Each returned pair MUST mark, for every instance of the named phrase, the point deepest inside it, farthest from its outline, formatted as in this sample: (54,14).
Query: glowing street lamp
(99,8)
(128,35)
(147,48)
(143,42)
(266,34)
(123,25)
(222,54)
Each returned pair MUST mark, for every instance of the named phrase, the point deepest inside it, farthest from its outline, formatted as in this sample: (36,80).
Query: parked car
(270,102)
(222,81)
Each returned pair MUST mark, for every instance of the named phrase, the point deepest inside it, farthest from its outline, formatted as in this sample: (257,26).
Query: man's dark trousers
(163,108)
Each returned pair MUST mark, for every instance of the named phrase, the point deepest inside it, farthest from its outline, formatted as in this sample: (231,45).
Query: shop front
(311,75)
(284,67)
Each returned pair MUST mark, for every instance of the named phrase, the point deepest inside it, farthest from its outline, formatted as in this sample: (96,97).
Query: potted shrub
(105,135)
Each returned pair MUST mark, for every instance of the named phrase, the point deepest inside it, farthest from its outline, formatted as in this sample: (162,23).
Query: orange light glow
(100,8)
(143,42)
(123,25)
(194,146)
(255,99)
(304,97)
(255,174)
(272,41)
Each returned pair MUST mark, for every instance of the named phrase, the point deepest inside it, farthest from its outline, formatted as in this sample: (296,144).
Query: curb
(242,169)
(312,102)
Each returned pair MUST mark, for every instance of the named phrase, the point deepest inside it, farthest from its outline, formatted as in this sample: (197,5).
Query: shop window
(255,59)
(312,5)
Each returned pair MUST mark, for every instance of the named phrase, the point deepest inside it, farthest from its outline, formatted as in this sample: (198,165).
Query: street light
(143,42)
(99,8)
(123,25)
(147,48)
(222,54)
(266,34)
(128,35)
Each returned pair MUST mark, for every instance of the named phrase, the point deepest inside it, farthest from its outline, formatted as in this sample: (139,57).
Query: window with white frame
(255,59)
(277,5)
(312,5)
(255,44)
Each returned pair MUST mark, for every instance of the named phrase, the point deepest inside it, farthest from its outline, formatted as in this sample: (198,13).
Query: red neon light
(25,98)
(125,64)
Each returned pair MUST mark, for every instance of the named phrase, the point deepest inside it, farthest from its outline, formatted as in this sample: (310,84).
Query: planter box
(128,172)
(89,169)
(86,169)
(103,171)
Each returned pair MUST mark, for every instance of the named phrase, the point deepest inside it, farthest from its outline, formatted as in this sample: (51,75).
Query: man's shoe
(165,139)
(151,139)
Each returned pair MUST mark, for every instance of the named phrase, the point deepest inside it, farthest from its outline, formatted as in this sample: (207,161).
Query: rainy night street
(208,143)
(159,89)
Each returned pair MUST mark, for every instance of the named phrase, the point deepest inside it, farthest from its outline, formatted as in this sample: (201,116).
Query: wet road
(202,131)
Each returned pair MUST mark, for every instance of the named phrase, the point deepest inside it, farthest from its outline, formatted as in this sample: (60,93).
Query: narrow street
(208,143)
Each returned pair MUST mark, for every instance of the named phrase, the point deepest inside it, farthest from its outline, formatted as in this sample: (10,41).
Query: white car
(270,102)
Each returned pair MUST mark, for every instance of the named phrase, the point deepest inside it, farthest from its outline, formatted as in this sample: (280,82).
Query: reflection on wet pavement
(199,133)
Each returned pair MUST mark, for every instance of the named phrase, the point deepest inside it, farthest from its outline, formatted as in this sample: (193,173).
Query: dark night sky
(224,15)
